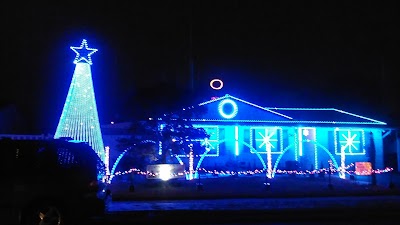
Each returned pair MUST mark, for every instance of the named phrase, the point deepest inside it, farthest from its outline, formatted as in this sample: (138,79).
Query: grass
(244,187)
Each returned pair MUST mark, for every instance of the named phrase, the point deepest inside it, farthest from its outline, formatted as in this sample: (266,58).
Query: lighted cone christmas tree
(79,119)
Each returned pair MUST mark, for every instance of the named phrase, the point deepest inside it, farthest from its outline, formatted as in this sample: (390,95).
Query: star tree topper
(83,53)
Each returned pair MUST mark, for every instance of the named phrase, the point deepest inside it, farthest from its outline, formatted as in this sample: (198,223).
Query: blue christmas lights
(83,53)
(370,121)
(79,119)
(236,140)
(261,171)
(243,101)
(296,147)
(287,122)
(304,136)
(222,111)
(266,137)
(351,140)
(210,144)
(288,119)
(114,167)
(361,117)
(201,159)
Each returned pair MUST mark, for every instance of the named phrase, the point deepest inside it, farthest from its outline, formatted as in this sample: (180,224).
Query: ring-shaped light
(219,87)
(221,108)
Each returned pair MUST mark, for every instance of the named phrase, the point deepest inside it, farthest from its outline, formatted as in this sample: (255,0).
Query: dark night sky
(274,53)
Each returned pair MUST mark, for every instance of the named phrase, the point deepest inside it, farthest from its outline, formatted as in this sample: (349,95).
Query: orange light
(363,168)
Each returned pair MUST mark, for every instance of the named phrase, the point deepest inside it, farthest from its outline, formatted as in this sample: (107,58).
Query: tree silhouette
(162,116)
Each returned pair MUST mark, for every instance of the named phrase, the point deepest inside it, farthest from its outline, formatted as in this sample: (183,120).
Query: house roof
(288,115)
(248,103)
(327,115)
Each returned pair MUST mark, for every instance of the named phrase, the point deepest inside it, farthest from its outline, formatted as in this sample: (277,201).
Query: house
(249,136)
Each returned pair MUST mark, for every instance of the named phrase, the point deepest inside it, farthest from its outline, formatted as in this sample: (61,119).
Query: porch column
(378,144)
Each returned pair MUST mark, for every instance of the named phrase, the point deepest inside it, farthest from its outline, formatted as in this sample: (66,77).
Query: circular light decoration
(221,109)
(217,86)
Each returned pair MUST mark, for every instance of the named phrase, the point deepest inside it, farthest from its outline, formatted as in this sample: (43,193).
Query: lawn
(242,187)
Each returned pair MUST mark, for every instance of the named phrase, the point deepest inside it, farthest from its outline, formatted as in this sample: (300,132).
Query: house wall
(241,147)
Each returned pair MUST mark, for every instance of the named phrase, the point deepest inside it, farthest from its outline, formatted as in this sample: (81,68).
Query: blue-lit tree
(79,119)
(160,119)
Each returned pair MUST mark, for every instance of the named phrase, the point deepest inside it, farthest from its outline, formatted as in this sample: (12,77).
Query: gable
(230,108)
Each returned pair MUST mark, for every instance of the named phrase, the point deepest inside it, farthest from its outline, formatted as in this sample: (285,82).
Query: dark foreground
(380,214)
(245,200)
(250,187)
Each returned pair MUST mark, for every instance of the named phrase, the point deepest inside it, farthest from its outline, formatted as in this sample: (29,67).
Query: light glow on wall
(79,119)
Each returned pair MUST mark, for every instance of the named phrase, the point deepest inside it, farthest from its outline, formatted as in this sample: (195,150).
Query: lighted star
(267,139)
(83,53)
(349,141)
